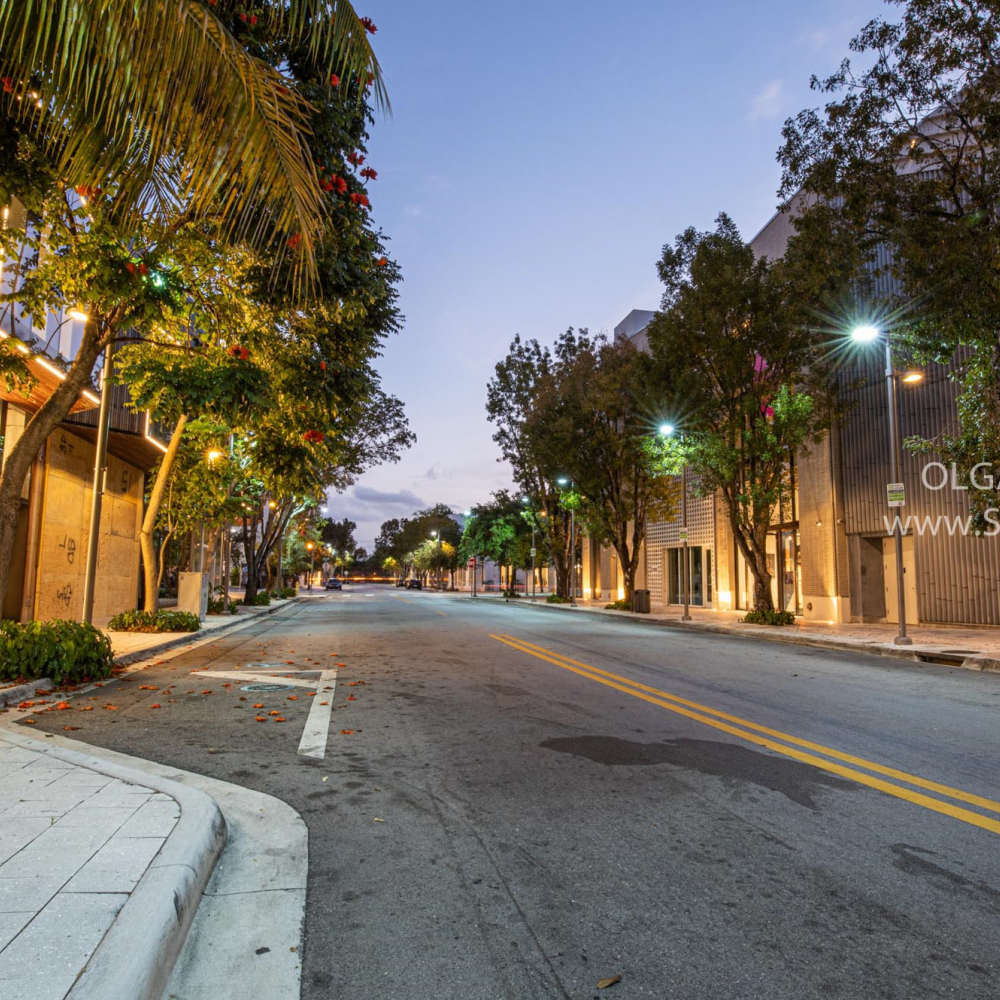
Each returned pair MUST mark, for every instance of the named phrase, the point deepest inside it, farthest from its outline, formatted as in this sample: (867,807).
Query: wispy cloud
(404,498)
(767,102)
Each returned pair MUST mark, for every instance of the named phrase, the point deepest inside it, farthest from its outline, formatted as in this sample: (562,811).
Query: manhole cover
(261,688)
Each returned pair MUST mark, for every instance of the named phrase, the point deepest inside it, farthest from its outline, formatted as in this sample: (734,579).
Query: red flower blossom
(130,267)
(253,18)
(382,261)
(368,25)
(334,80)
(369,173)
(313,437)
(341,185)
(294,241)
(143,269)
(240,353)
(322,366)
(356,158)
(8,85)
(243,18)
(326,185)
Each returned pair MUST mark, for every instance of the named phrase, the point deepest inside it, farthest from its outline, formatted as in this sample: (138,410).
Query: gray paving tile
(108,819)
(28,893)
(11,924)
(117,866)
(17,833)
(44,805)
(152,819)
(59,852)
(43,961)
(80,777)
(119,793)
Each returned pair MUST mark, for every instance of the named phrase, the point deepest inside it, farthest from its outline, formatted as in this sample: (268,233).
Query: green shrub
(64,651)
(511,593)
(286,592)
(769,618)
(618,606)
(261,599)
(154,621)
(556,599)
(215,606)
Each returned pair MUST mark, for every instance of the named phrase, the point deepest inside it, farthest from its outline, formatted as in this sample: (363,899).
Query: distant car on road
(413,584)
(400,583)
(333,584)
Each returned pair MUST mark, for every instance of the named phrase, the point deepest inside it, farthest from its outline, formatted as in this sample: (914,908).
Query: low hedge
(618,606)
(286,592)
(769,618)
(154,621)
(261,598)
(556,599)
(64,651)
(217,607)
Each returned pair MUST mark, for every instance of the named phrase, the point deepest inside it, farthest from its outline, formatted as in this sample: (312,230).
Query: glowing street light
(667,430)
(867,334)
(214,456)
(78,312)
(566,481)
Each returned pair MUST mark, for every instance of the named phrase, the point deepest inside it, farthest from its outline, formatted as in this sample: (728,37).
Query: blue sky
(538,157)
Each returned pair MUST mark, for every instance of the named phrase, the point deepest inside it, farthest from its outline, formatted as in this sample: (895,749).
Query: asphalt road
(707,818)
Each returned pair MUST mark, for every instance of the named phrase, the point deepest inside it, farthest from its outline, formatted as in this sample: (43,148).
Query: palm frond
(126,93)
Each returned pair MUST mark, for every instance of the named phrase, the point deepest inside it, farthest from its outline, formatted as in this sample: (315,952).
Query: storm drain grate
(264,688)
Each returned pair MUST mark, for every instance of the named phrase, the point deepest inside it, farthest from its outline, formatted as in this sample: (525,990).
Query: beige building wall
(825,584)
(62,549)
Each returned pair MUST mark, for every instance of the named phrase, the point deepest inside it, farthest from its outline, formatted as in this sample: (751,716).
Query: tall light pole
(312,563)
(475,559)
(866,335)
(563,481)
(667,430)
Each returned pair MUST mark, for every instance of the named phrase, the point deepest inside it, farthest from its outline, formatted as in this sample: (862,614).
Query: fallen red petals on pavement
(62,706)
(293,697)
(351,697)
(279,718)
(29,722)
(86,708)
(207,691)
(70,729)
(148,687)
(26,704)
(324,703)
(274,711)
(347,732)
(259,704)
(111,708)
(155,706)
(312,694)
(261,718)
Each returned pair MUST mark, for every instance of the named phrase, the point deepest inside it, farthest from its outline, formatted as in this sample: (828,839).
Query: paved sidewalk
(73,846)
(965,646)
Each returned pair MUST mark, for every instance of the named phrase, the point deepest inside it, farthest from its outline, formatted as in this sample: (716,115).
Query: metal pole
(100,482)
(532,559)
(895,462)
(686,617)
(281,544)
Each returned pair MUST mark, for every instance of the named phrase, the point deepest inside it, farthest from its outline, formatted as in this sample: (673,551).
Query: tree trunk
(52,413)
(250,554)
(156,495)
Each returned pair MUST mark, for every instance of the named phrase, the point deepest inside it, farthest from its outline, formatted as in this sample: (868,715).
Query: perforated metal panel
(665,535)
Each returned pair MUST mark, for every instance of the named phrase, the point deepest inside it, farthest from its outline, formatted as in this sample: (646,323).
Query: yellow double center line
(769,738)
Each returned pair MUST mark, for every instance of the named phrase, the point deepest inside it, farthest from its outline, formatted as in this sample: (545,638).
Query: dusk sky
(538,157)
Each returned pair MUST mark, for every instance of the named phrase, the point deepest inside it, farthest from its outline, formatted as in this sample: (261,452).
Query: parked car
(333,584)
(413,584)
(400,583)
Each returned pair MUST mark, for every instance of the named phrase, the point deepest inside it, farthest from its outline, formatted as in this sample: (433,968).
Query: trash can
(640,602)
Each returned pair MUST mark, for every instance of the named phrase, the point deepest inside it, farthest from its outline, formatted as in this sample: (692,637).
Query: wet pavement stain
(914,861)
(729,761)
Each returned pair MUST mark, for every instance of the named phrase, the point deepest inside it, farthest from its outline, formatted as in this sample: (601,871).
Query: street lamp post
(527,501)
(312,564)
(865,335)
(667,430)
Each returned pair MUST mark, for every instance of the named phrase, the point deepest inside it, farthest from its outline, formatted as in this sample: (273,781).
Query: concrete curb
(914,654)
(187,638)
(19,692)
(136,956)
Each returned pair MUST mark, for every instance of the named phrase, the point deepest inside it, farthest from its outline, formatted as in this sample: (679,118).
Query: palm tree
(167,103)
(174,108)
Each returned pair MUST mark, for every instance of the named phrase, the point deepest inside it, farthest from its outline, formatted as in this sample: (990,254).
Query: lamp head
(864,334)
(666,429)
